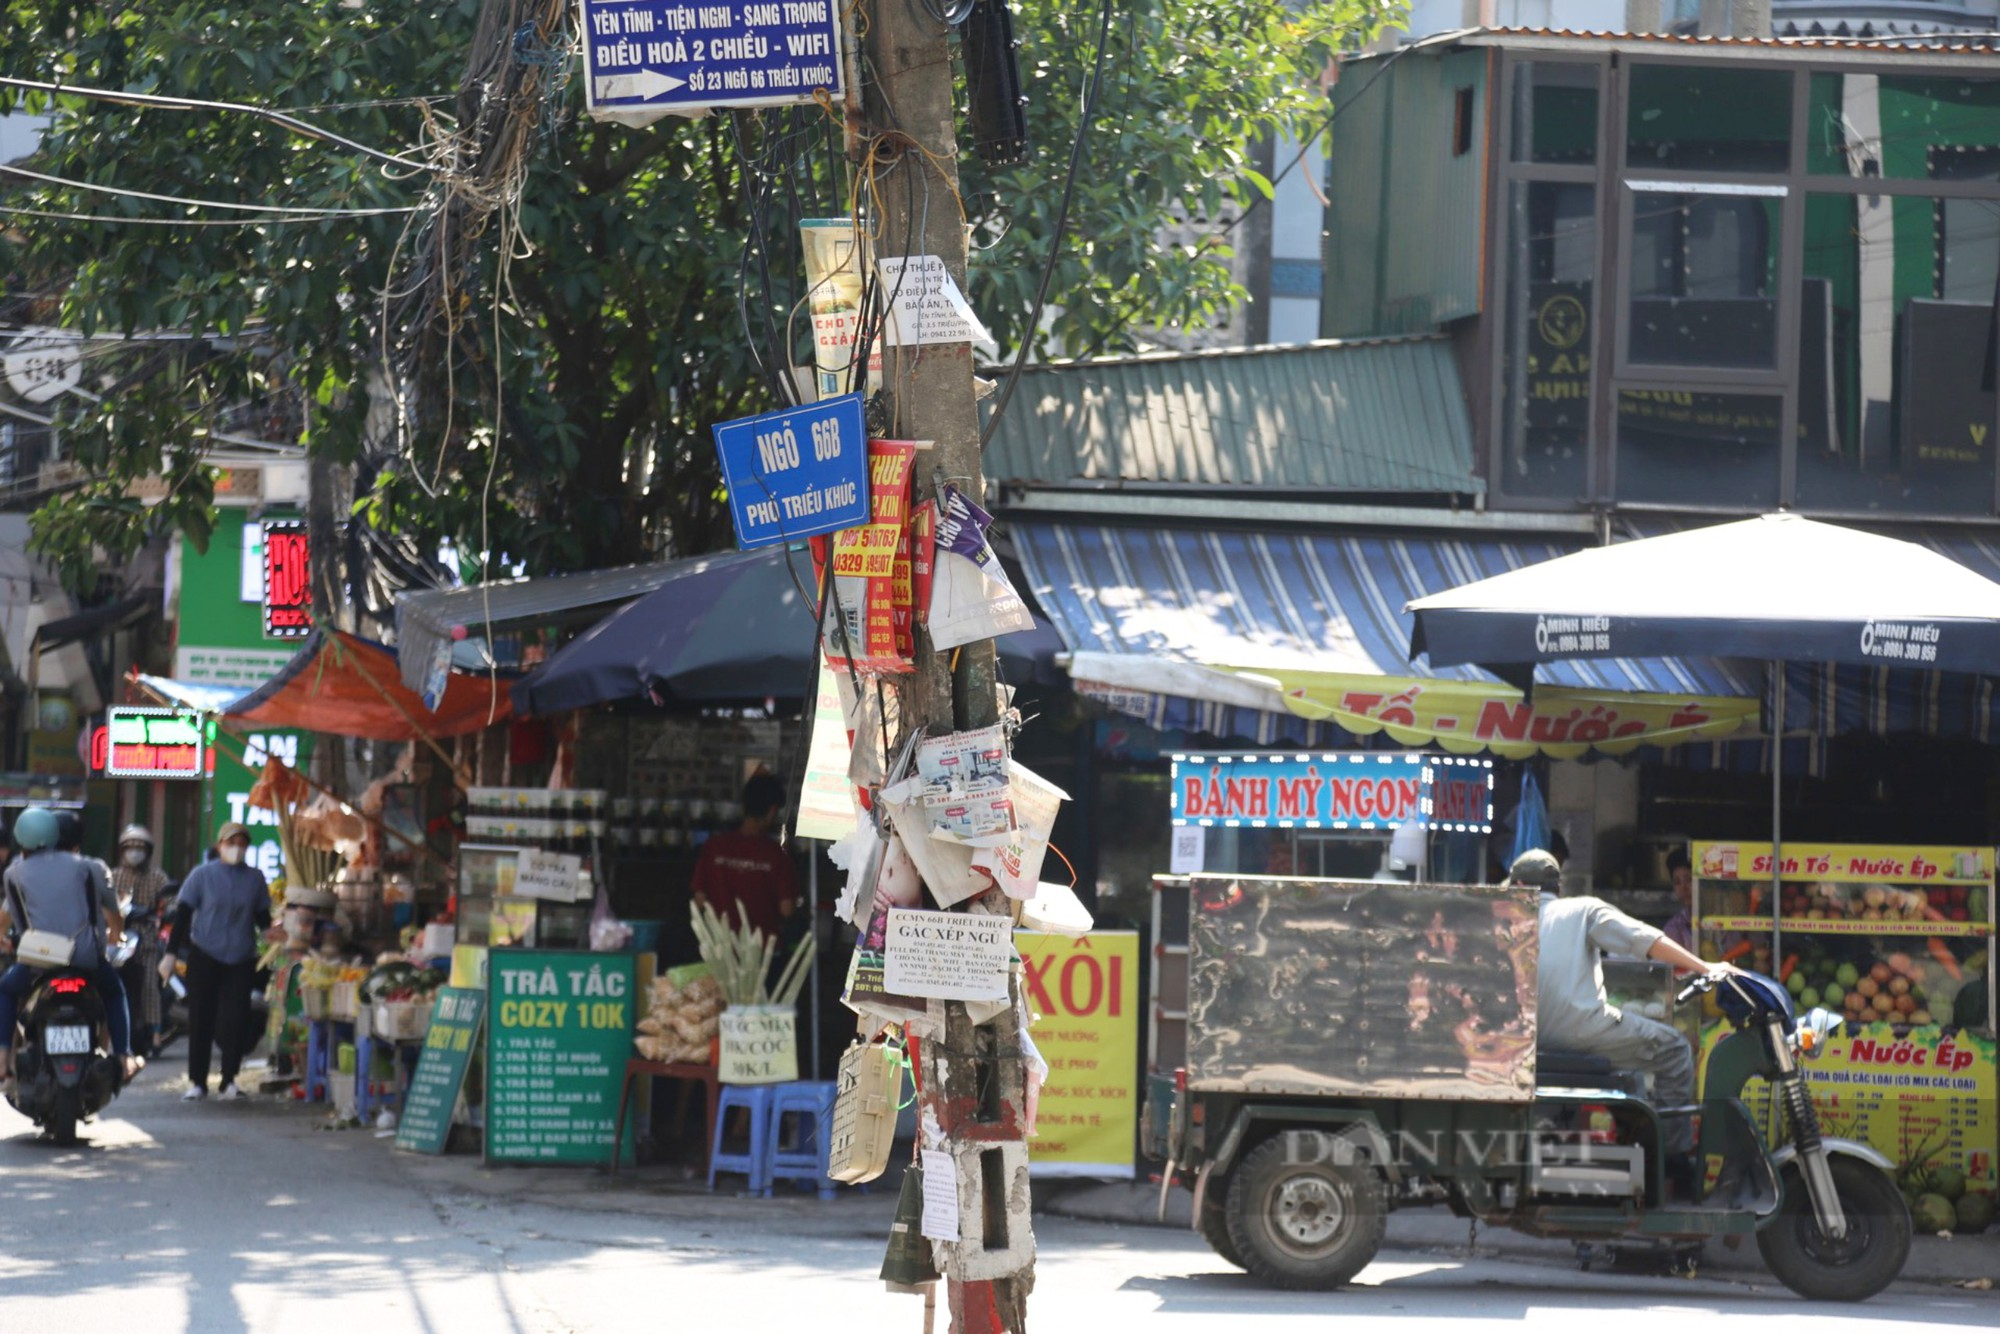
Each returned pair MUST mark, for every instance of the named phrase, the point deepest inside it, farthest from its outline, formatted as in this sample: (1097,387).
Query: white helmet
(136,833)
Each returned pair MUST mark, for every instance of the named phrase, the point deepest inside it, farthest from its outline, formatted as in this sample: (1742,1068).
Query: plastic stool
(804,1160)
(319,1043)
(755,1160)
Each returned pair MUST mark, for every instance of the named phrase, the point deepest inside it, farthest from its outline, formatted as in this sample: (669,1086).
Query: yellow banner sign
(1085,990)
(1926,1096)
(1846,863)
(1469,716)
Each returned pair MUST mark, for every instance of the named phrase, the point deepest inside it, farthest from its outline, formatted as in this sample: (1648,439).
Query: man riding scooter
(1574,1014)
(68,897)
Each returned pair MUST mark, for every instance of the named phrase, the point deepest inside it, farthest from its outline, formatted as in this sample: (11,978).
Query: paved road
(216,1219)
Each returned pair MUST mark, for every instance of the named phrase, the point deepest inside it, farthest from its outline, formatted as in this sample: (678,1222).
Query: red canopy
(345,686)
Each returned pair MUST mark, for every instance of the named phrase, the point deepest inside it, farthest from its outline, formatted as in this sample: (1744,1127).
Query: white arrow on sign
(646,85)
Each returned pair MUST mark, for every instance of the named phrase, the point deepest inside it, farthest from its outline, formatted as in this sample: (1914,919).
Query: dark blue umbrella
(1777,587)
(725,629)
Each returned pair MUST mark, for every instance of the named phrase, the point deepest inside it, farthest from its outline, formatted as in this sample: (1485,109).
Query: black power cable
(1305,144)
(1062,226)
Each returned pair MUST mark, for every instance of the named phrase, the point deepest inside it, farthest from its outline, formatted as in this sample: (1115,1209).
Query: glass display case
(490,913)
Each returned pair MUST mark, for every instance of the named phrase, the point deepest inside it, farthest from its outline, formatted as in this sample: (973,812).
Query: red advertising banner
(871,568)
(287,581)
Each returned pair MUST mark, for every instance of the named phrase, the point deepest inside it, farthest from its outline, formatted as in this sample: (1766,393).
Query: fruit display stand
(1899,942)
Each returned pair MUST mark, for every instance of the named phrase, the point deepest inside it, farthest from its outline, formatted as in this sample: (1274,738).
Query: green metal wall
(1405,230)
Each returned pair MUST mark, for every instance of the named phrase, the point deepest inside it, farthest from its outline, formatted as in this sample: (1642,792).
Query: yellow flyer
(1084,992)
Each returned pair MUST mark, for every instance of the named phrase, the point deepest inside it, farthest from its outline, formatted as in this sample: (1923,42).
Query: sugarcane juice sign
(559,1032)
(1085,990)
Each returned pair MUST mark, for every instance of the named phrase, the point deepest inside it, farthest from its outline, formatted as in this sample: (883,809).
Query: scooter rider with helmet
(46,889)
(139,882)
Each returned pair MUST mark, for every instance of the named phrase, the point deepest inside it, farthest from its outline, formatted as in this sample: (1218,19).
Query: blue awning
(1178,599)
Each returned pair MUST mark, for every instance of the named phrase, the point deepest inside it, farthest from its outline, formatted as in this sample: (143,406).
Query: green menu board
(448,1047)
(558,1034)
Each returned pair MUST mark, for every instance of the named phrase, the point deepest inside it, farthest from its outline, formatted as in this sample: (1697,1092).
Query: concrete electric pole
(972,1081)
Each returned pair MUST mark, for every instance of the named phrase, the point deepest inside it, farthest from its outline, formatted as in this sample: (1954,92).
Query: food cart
(1899,942)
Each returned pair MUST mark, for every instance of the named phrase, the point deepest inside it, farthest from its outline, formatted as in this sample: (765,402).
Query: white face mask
(135,857)
(232,854)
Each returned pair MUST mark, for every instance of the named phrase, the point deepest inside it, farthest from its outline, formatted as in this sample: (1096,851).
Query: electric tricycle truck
(1357,1047)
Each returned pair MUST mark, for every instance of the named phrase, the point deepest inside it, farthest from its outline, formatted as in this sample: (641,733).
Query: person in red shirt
(748,867)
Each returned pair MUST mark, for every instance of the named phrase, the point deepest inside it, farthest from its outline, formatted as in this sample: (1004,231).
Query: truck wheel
(1858,1265)
(1300,1222)
(1214,1227)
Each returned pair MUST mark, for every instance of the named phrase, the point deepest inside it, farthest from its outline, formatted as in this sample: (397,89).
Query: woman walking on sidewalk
(225,907)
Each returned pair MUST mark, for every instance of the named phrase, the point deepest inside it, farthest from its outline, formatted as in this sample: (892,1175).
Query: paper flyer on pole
(834,285)
(826,799)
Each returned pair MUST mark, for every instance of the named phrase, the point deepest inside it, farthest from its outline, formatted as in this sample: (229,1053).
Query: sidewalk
(1933,1260)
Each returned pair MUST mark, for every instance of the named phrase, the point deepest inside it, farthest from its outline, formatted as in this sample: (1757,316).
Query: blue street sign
(796,473)
(671,55)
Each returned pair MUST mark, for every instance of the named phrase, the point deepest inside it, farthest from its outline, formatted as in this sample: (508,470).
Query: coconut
(1933,1213)
(1949,1182)
(1975,1212)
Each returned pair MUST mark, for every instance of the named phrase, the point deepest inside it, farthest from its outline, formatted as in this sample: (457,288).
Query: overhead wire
(55,215)
(281,210)
(1306,143)
(162,100)
(1076,153)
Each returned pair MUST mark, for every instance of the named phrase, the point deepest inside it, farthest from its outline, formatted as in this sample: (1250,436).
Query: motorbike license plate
(67,1040)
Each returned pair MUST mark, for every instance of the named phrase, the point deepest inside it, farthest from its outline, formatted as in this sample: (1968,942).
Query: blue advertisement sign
(669,55)
(1354,790)
(797,472)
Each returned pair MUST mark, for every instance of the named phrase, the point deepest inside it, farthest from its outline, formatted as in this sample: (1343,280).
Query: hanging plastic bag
(607,933)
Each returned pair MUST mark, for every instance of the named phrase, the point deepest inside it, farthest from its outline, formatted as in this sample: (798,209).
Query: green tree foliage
(1190,89)
(613,335)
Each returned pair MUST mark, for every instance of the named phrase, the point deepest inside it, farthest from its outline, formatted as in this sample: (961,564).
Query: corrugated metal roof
(1914,46)
(1384,415)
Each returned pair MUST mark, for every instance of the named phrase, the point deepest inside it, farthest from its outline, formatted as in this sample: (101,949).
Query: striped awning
(1279,636)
